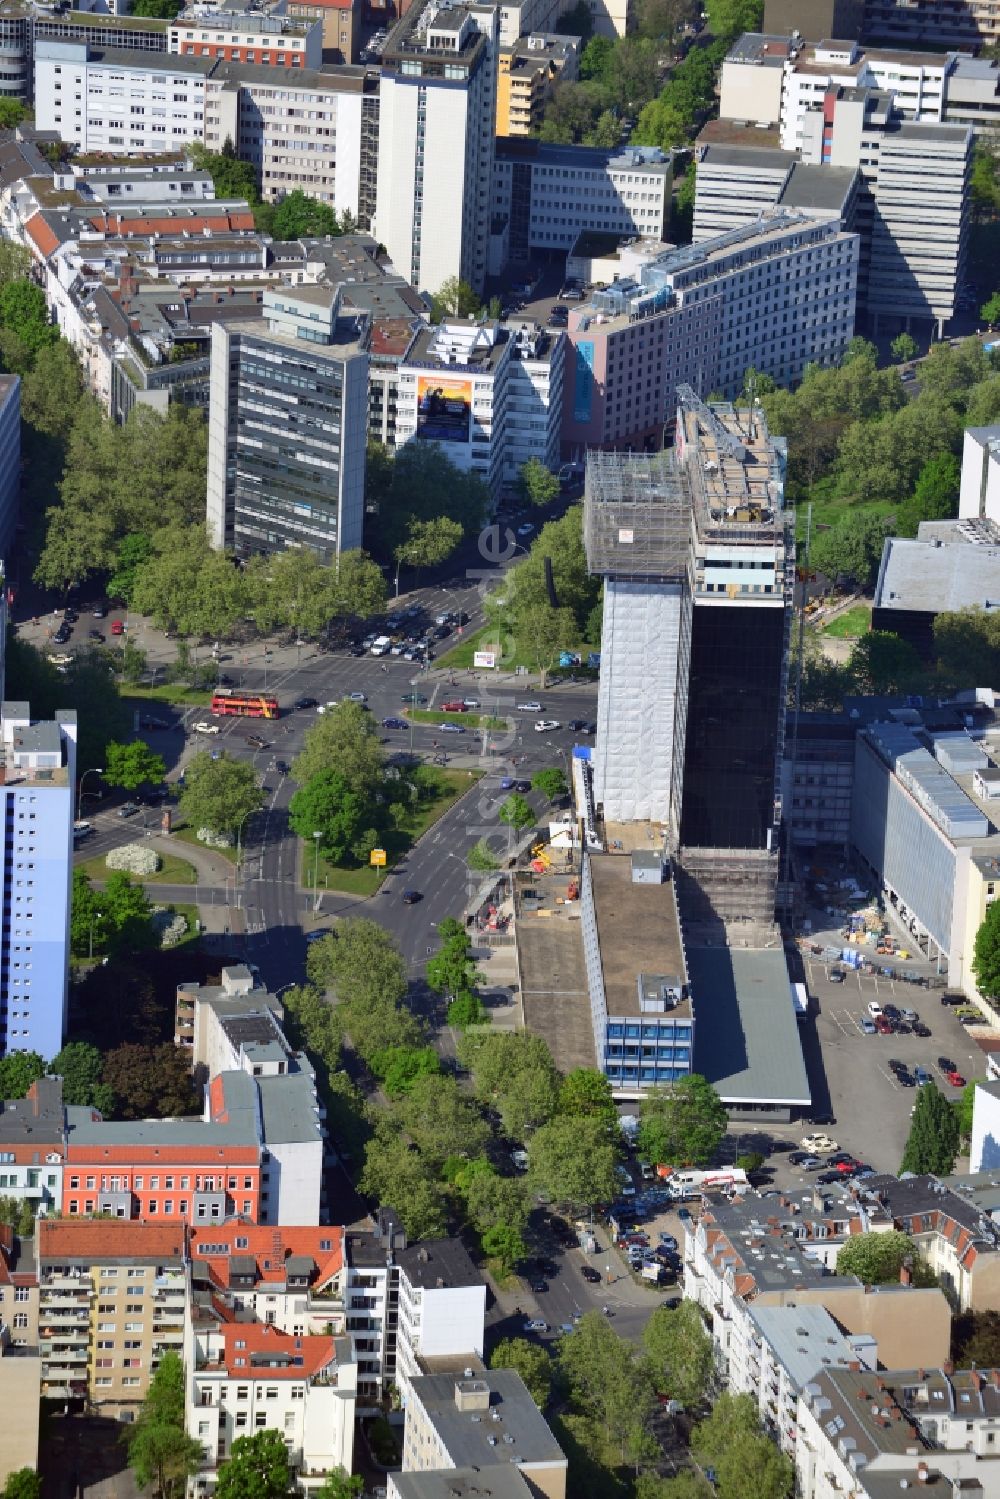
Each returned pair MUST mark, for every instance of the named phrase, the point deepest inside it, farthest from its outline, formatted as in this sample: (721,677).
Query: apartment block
(264,1346)
(33,1146)
(489,393)
(20,1365)
(528,72)
(111,1303)
(774,1351)
(342,22)
(969,24)
(777,295)
(263,38)
(306,130)
(544,197)
(39,759)
(288,426)
(436,142)
(101,99)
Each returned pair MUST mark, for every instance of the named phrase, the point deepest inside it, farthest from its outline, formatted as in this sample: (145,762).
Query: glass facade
(647,1051)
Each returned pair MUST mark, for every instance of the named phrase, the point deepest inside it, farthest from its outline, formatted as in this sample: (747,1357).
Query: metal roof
(932,787)
(746,1040)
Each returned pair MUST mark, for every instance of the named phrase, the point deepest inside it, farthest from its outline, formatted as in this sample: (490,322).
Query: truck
(692,1183)
(800,1001)
(380,646)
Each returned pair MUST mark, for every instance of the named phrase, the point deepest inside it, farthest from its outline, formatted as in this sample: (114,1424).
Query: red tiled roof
(163,1155)
(312,1353)
(220,223)
(270,1247)
(41,236)
(109,1239)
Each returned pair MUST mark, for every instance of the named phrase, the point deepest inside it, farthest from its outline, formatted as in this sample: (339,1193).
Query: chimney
(855,1366)
(948,1368)
(905,1274)
(923,1473)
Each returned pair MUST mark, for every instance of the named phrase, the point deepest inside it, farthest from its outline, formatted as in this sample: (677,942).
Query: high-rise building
(39,762)
(436,138)
(105,99)
(697,555)
(287,426)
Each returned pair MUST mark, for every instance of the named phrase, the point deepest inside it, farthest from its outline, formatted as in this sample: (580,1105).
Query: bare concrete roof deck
(639,932)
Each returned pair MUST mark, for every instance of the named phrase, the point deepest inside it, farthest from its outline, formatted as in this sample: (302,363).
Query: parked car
(884,1026)
(529,707)
(955,1078)
(919,1029)
(836,975)
(819,1142)
(97,635)
(922,1076)
(536,1325)
(318,934)
(946,1064)
(128,809)
(118,627)
(952,1000)
(874,1009)
(868,1026)
(590,1274)
(547,725)
(456,705)
(204,727)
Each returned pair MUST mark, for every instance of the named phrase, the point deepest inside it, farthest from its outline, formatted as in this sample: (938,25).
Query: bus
(228,702)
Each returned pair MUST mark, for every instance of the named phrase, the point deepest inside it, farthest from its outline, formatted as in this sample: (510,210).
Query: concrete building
(774,1351)
(984,1152)
(544,196)
(441,1431)
(948,566)
(778,296)
(442,1309)
(20,1365)
(343,28)
(37,796)
(33,1146)
(100,99)
(814,19)
(970,24)
(307,130)
(528,71)
(287,427)
(490,394)
(10,458)
(263,38)
(435,154)
(736,184)
(111,1303)
(817,787)
(979,498)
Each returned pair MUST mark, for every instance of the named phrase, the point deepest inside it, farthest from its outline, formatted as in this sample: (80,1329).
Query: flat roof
(804,1339)
(638,930)
(436,1260)
(917,575)
(815,187)
(466,1434)
(342,78)
(746,1041)
(289,1109)
(762,157)
(498,1482)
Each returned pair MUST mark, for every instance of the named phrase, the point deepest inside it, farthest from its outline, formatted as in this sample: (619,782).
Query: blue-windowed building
(640,998)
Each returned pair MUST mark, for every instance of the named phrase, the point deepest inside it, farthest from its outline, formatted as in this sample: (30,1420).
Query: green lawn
(467,720)
(188,835)
(173,871)
(851,624)
(828,505)
(506,647)
(365,881)
(166,692)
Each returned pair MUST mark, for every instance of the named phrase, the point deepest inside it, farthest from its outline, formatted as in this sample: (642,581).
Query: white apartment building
(442,1308)
(118,101)
(270,40)
(437,114)
(311,131)
(490,395)
(546,196)
(736,185)
(33,1145)
(917,82)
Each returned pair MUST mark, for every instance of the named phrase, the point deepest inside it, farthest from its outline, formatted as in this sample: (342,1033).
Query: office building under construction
(696,551)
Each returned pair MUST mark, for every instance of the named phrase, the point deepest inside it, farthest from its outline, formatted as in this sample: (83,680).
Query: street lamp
(95,770)
(316,839)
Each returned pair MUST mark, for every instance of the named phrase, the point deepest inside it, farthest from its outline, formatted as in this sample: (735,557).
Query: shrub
(214,840)
(171,927)
(134,858)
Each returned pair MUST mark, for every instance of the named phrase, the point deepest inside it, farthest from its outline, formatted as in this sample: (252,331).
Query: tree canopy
(933,1141)
(219,794)
(877,1258)
(682,1124)
(986,955)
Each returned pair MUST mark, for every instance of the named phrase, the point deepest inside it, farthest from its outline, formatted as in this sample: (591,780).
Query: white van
(381,646)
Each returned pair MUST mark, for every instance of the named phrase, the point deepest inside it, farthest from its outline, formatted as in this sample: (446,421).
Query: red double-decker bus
(228,702)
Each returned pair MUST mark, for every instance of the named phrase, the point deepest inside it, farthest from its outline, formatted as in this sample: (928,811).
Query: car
(911,1016)
(441,632)
(826,1177)
(356,697)
(256,742)
(867,1026)
(118,627)
(282,767)
(526,529)
(684,1214)
(590,1274)
(874,1009)
(97,635)
(536,1325)
(906,1079)
(82,830)
(839,1157)
(836,975)
(578,725)
(529,707)
(204,727)
(891,1012)
(413,697)
(61,659)
(902,1028)
(305,702)
(99,612)
(357,650)
(394,723)
(411,897)
(884,1026)
(797,1157)
(922,1076)
(955,1078)
(895,1065)
(456,705)
(946,1064)
(70,616)
(920,1029)
(667,1241)
(128,809)
(952,1000)
(811,1163)
(539,1286)
(818,1143)
(547,725)
(508,783)
(450,728)
(318,934)
(846,1168)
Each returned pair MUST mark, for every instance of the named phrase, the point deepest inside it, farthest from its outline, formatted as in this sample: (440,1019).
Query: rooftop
(124,57)
(501,1424)
(37,1120)
(860,1415)
(269,1249)
(289,1108)
(822,188)
(938,573)
(497,1482)
(62,1240)
(344,78)
(639,934)
(438,1263)
(728,143)
(804,1338)
(747,1039)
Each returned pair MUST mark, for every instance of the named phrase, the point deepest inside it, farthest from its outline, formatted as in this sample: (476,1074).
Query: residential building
(437,109)
(16,48)
(342,20)
(308,130)
(528,71)
(752,78)
(10,458)
(984,1151)
(33,1146)
(776,295)
(264,38)
(20,1365)
(287,427)
(736,185)
(102,99)
(544,196)
(39,759)
(264,1346)
(442,1432)
(442,1308)
(979,498)
(814,19)
(111,1303)
(947,566)
(939,23)
(774,1351)
(459,1483)
(527,17)
(489,393)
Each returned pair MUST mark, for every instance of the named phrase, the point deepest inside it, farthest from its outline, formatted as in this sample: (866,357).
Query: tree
(190,588)
(935,496)
(22,1483)
(532,1362)
(329,806)
(257,1468)
(150,1081)
(345,737)
(455,299)
(661,124)
(18,1070)
(440,1120)
(129,765)
(662,18)
(158,10)
(80,1065)
(884,663)
(492,1200)
(400,1066)
(420,483)
(683,1124)
(219,794)
(517,813)
(904,348)
(452,970)
(51,390)
(12,112)
(853,546)
(680,1349)
(300,217)
(986,953)
(571,1161)
(360,961)
(551,782)
(975,1340)
(686,1485)
(538,484)
(24,312)
(505,1244)
(876,1258)
(160,1452)
(467,1009)
(753,1467)
(733,1417)
(610,1384)
(933,1141)
(514,1073)
(967,646)
(729,18)
(293,590)
(586,1094)
(341,1485)
(127,914)
(990,311)
(480,857)
(427,543)
(396,1176)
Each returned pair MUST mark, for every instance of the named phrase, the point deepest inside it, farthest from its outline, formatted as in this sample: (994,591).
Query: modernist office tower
(697,556)
(287,426)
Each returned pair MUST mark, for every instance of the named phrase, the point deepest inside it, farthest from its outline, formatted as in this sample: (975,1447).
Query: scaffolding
(637,516)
